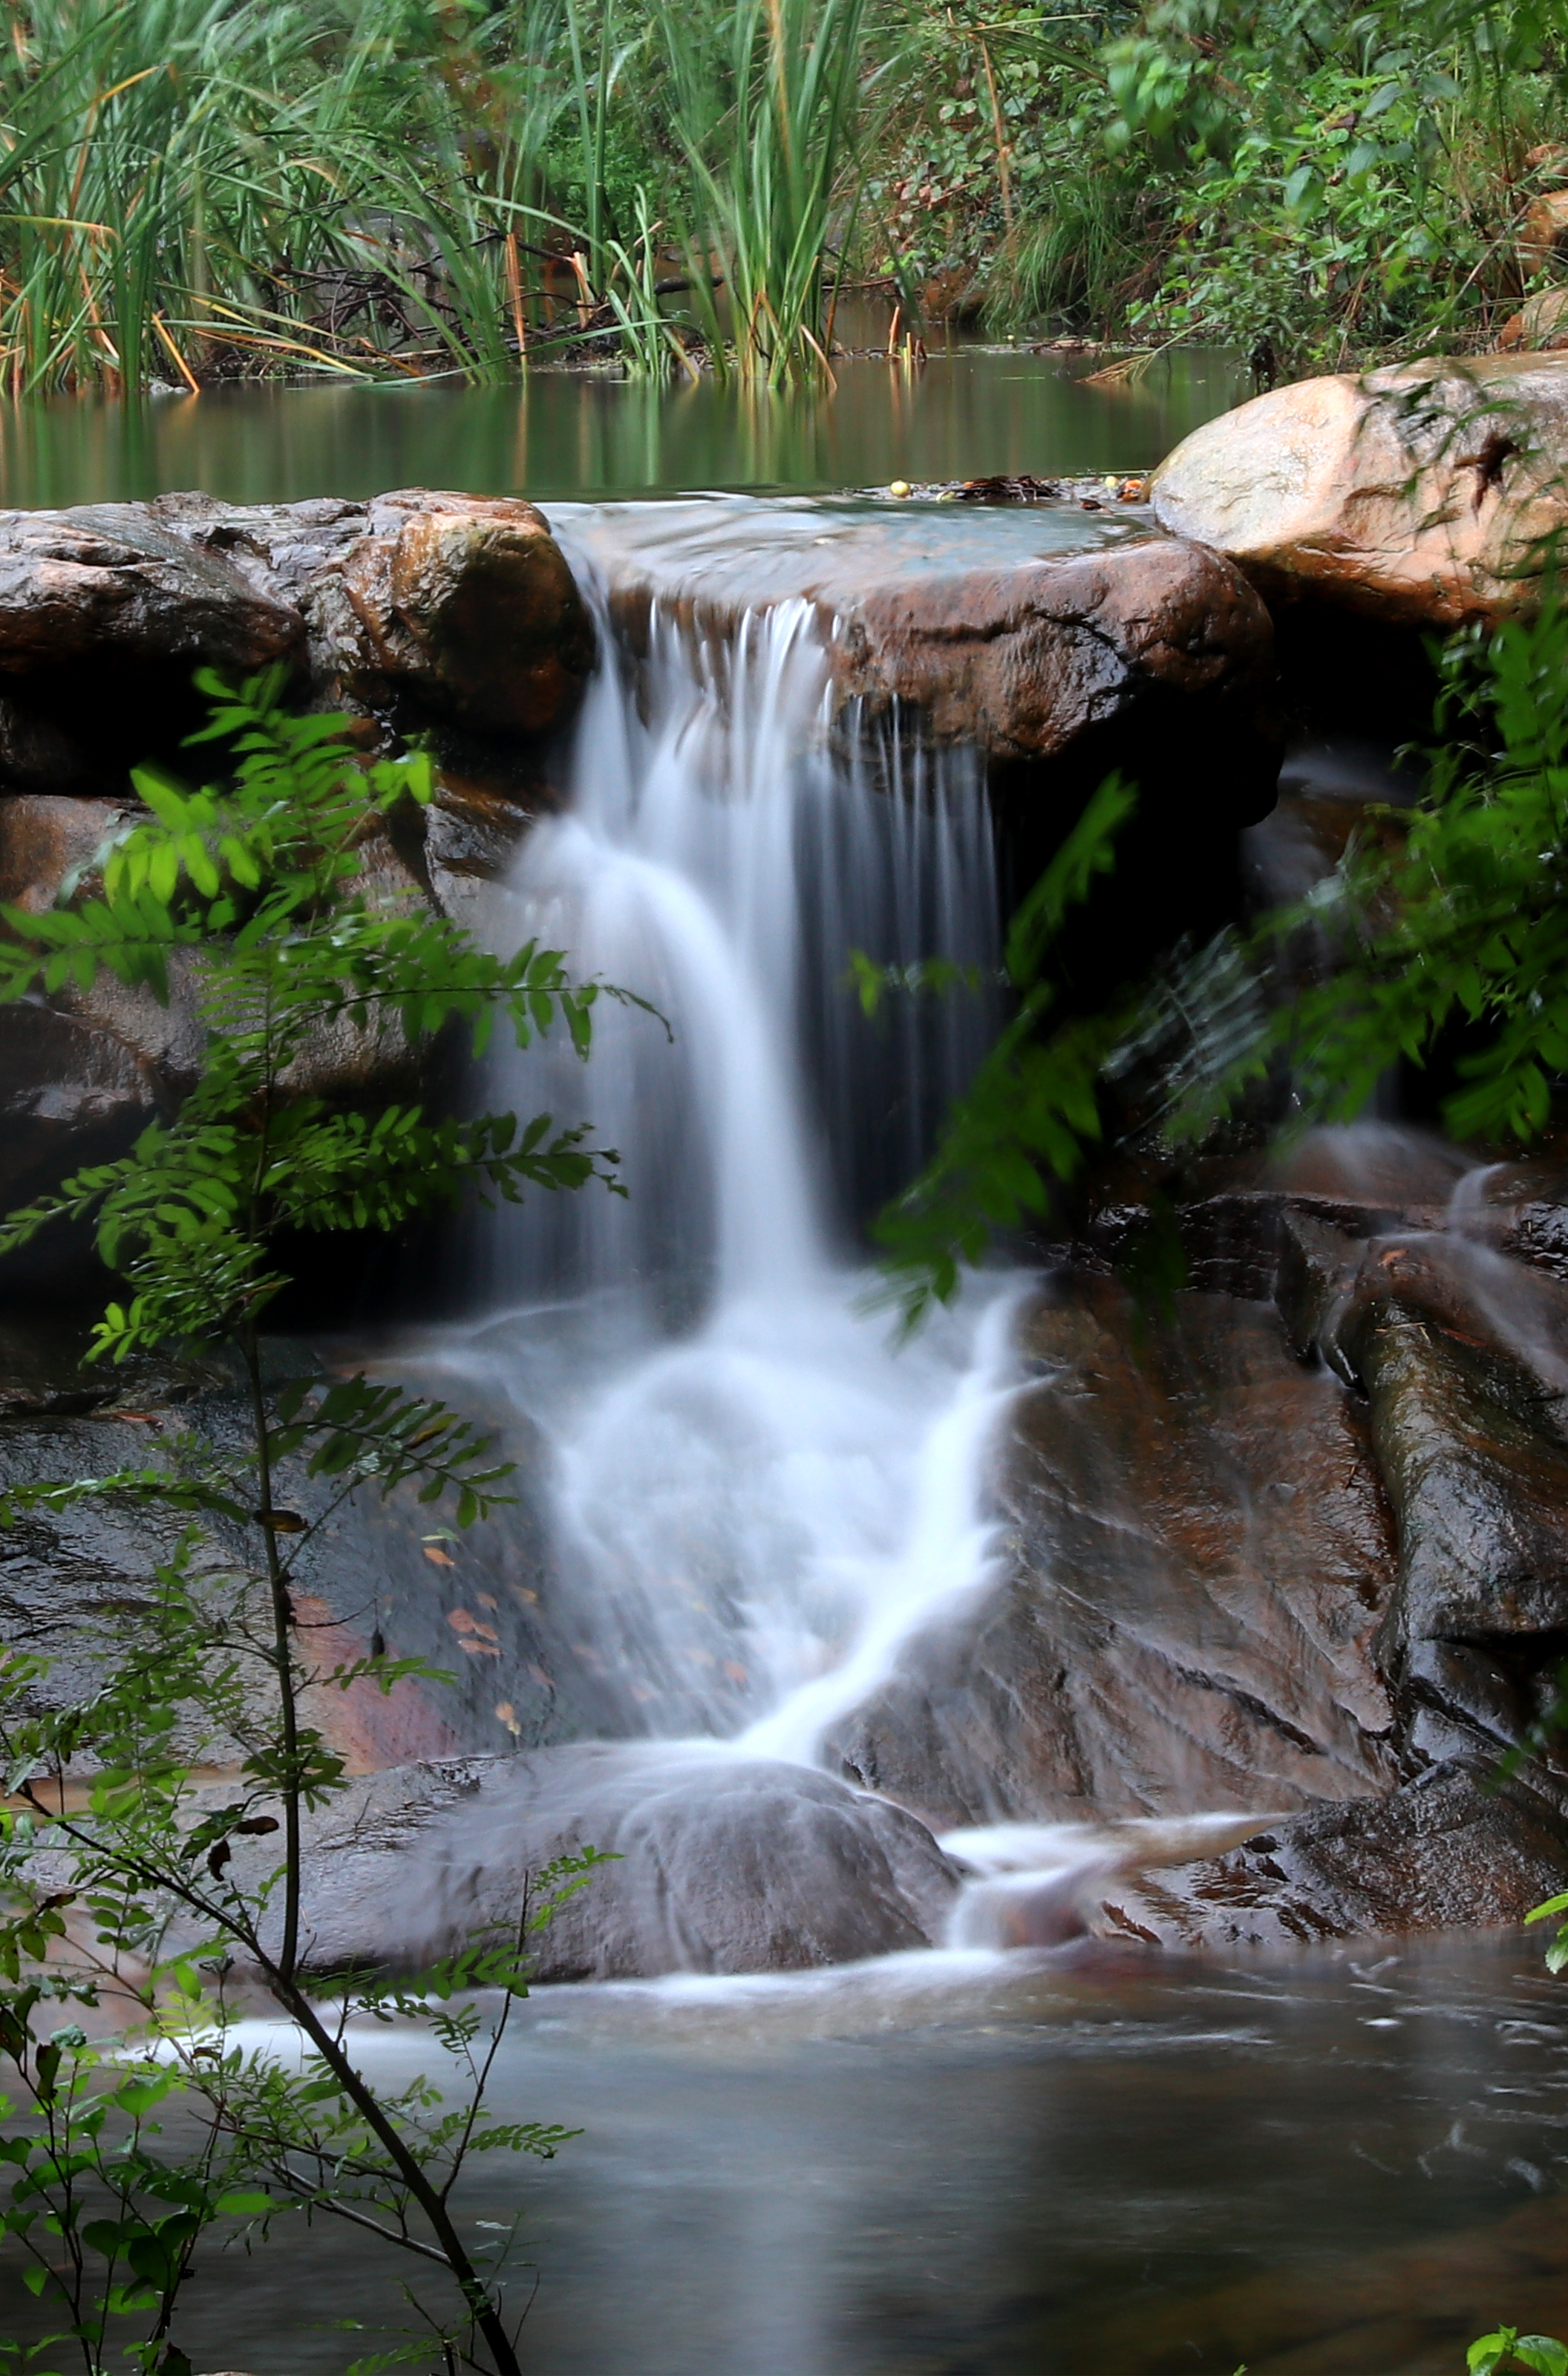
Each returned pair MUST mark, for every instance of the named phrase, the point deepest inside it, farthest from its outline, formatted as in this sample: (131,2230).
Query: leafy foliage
(1321,182)
(1447,917)
(1507,2348)
(1557,1953)
(195,189)
(127,1887)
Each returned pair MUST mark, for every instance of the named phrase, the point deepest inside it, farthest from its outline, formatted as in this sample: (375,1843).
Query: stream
(968,2161)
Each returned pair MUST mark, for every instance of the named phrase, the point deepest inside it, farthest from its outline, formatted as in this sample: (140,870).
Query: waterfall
(757,1497)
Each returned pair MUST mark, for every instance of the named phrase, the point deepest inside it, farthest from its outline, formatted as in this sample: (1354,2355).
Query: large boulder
(1421,495)
(1026,636)
(418,609)
(464,607)
(722,1864)
(1022,661)
(114,577)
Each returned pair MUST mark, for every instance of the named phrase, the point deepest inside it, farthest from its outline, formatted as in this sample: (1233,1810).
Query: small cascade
(755,1496)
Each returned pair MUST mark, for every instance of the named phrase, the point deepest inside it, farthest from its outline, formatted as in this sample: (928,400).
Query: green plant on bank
(167,1906)
(1339,180)
(193,189)
(1506,2349)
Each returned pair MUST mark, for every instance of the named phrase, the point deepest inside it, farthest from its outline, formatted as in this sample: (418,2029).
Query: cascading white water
(757,1497)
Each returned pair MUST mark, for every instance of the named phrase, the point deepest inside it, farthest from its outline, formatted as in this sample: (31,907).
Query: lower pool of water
(1025,2164)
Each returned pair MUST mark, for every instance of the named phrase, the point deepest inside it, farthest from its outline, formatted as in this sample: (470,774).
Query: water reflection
(971,412)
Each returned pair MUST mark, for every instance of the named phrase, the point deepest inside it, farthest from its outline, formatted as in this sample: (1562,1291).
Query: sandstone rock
(1463,1358)
(726,1864)
(1404,1171)
(1024,634)
(459,606)
(1200,1559)
(1418,494)
(463,604)
(1522,1210)
(1478,1477)
(1544,230)
(1539,326)
(1023,662)
(1448,1849)
(418,608)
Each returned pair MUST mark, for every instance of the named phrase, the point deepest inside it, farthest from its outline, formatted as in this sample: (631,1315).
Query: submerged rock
(1421,495)
(723,1864)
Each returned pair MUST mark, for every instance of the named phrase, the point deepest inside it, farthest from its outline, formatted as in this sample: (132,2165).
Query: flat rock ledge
(1031,638)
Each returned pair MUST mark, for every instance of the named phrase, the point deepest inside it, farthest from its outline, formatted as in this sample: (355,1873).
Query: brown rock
(1541,326)
(1020,633)
(463,603)
(423,608)
(1022,662)
(1421,495)
(1450,1848)
(1544,230)
(1200,1560)
(47,840)
(1477,1472)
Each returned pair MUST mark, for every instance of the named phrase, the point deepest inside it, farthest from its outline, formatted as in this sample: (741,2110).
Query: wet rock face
(1420,494)
(114,578)
(1446,1850)
(724,1864)
(1307,1558)
(465,608)
(1030,639)
(418,608)
(1199,1562)
(1022,663)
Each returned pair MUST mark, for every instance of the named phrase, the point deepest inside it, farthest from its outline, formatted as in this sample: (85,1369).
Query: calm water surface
(968,413)
(1003,2166)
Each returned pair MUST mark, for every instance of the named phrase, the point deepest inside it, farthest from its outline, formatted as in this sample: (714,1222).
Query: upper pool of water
(970,412)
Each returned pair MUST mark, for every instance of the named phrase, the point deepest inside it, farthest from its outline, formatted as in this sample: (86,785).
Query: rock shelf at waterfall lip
(759,549)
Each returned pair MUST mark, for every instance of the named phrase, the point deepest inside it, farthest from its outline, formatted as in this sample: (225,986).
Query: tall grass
(766,97)
(198,188)
(143,166)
